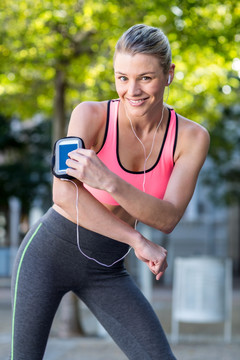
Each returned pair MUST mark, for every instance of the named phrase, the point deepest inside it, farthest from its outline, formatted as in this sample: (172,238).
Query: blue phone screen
(63,154)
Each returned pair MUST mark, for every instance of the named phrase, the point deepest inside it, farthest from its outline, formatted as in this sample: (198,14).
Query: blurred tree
(225,153)
(25,162)
(57,53)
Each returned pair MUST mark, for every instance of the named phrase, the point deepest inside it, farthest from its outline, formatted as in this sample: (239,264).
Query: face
(140,83)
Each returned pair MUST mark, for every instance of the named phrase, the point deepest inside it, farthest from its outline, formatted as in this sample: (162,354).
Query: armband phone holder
(60,155)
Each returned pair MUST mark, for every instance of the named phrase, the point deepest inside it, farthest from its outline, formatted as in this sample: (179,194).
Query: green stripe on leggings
(16,285)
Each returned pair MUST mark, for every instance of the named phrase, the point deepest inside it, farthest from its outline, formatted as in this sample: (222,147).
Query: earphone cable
(144,149)
(78,238)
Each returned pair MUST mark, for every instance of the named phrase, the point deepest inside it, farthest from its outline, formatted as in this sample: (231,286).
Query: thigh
(35,298)
(128,317)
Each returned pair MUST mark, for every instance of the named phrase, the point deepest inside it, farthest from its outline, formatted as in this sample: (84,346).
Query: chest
(136,154)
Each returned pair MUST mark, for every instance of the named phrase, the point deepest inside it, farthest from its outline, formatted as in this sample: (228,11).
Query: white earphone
(169,79)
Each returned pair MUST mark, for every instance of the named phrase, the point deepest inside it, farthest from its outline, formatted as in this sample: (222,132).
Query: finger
(155,268)
(74,155)
(157,274)
(78,150)
(163,267)
(158,277)
(81,152)
(162,271)
(71,163)
(72,172)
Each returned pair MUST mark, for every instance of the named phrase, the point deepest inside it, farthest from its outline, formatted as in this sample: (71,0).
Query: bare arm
(160,214)
(165,214)
(92,214)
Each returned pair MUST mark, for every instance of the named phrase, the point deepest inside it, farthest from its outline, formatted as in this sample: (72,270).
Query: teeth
(136,101)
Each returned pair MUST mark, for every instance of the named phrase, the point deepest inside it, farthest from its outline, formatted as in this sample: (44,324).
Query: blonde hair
(146,39)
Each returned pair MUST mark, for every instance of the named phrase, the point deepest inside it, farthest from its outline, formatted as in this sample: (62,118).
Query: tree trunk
(59,120)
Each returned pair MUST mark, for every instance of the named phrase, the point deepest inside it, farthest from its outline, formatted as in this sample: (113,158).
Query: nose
(134,88)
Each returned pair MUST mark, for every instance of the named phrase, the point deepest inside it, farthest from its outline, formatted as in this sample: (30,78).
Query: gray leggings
(49,265)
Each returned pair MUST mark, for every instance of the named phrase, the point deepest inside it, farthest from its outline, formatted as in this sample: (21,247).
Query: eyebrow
(145,73)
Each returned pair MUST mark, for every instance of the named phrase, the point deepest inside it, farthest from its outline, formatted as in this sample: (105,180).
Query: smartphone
(61,149)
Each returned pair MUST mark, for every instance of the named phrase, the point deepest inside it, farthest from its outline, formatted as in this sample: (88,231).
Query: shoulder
(190,128)
(191,137)
(88,120)
(92,111)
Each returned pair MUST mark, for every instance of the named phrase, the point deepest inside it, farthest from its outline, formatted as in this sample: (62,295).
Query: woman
(141,162)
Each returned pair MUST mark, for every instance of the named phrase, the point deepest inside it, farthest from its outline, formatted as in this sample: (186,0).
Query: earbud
(169,79)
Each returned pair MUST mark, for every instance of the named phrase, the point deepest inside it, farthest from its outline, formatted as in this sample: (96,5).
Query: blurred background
(55,54)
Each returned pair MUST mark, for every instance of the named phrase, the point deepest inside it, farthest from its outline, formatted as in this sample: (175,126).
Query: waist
(89,240)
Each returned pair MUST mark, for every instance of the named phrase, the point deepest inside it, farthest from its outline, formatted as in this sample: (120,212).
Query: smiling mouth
(137,102)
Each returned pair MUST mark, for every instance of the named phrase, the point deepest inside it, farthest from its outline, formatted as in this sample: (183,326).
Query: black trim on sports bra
(160,153)
(176,137)
(106,129)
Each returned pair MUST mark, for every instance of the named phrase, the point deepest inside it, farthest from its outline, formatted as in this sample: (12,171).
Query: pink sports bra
(156,178)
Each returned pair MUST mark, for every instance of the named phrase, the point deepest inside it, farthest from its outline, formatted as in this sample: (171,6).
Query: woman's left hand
(85,166)
(154,255)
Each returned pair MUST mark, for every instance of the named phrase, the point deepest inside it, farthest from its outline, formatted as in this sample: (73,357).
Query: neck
(153,141)
(145,123)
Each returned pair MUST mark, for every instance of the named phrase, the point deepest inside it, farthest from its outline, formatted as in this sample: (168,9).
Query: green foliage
(77,37)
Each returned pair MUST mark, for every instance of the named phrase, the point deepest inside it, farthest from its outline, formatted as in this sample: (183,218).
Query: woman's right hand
(155,256)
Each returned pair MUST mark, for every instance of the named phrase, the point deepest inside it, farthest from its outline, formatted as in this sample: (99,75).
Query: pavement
(197,341)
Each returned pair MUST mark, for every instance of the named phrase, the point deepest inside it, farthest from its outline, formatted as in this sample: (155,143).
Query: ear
(170,74)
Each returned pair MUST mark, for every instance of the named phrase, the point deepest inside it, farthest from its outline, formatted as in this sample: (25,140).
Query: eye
(122,78)
(146,78)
